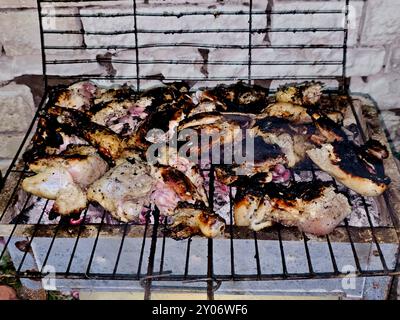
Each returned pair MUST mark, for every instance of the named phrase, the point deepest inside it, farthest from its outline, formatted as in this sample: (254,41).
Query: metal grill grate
(151,251)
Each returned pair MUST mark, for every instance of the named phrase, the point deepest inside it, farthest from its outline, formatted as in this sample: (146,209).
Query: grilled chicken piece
(174,186)
(124,190)
(221,121)
(65,177)
(77,96)
(238,97)
(327,130)
(164,117)
(192,219)
(358,168)
(109,144)
(105,95)
(57,184)
(122,117)
(291,138)
(314,207)
(306,93)
(286,110)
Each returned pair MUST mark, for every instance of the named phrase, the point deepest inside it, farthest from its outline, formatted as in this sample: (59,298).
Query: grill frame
(150,233)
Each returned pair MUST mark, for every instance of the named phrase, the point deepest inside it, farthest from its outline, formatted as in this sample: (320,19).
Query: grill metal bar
(257,254)
(92,253)
(153,246)
(196,31)
(332,255)
(139,270)
(282,251)
(210,244)
(120,249)
(13,229)
(163,245)
(187,258)
(76,243)
(198,45)
(232,249)
(197,62)
(196,13)
(51,246)
(28,247)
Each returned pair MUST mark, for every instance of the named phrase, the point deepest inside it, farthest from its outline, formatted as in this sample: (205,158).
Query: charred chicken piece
(78,96)
(65,177)
(109,144)
(358,168)
(291,138)
(122,117)
(294,113)
(306,93)
(314,207)
(172,187)
(192,219)
(240,97)
(327,130)
(124,191)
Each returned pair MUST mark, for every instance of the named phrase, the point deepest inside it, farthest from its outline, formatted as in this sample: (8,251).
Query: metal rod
(215,13)
(95,245)
(153,246)
(136,46)
(198,62)
(248,31)
(120,249)
(197,45)
(76,241)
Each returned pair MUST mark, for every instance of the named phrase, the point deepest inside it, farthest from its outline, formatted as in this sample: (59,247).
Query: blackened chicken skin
(314,207)
(65,177)
(354,166)
(109,144)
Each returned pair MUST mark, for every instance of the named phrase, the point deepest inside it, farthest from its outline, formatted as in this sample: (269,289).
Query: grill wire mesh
(149,258)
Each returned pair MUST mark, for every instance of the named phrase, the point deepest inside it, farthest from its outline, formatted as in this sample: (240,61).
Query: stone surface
(391,119)
(395,59)
(12,67)
(383,87)
(9,145)
(336,20)
(16,108)
(20,32)
(5,4)
(4,164)
(382,22)
(365,61)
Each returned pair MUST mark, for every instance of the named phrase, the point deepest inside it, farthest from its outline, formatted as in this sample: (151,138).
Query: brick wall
(373,54)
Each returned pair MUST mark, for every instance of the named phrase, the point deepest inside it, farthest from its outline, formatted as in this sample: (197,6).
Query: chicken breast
(124,190)
(77,96)
(65,177)
(358,168)
(108,143)
(314,207)
(306,93)
(192,219)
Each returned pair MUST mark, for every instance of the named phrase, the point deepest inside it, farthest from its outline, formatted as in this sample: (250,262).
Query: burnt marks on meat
(358,162)
(241,97)
(264,151)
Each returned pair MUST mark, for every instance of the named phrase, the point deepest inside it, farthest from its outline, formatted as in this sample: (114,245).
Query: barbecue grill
(204,45)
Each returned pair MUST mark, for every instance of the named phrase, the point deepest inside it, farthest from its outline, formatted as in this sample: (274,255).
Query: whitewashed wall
(373,55)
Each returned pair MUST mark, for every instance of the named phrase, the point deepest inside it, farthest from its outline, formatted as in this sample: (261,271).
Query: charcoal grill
(140,257)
